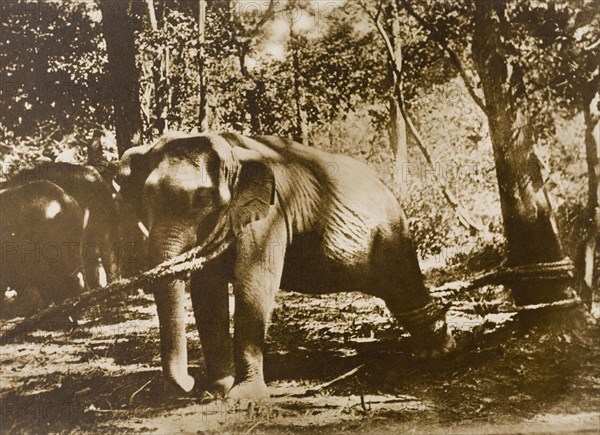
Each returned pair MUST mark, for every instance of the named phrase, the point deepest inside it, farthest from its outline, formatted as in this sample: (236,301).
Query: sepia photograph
(300,216)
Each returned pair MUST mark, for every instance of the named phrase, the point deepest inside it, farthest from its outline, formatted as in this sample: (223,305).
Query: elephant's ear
(254,190)
(133,170)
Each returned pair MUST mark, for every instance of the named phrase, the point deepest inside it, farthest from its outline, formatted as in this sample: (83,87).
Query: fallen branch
(139,390)
(254,426)
(319,388)
(461,212)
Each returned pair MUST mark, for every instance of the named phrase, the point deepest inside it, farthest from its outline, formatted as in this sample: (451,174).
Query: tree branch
(462,213)
(265,17)
(452,56)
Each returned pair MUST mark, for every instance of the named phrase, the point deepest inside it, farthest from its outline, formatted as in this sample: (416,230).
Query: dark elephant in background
(87,187)
(301,219)
(41,235)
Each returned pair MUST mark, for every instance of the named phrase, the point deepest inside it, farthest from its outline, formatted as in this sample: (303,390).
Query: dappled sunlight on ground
(334,363)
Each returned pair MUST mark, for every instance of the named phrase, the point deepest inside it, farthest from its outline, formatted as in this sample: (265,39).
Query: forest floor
(104,376)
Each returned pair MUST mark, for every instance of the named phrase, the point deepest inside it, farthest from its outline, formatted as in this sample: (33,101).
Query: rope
(190,262)
(565,303)
(504,275)
(415,320)
(557,270)
(186,262)
(562,269)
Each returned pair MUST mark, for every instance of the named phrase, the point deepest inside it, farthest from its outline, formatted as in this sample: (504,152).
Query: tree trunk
(397,124)
(587,247)
(160,73)
(202,84)
(301,116)
(529,224)
(252,95)
(118,25)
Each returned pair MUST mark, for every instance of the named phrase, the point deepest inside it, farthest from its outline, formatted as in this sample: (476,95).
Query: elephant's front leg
(258,271)
(210,299)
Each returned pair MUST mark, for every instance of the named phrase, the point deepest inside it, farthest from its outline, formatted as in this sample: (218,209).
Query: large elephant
(94,196)
(301,219)
(41,235)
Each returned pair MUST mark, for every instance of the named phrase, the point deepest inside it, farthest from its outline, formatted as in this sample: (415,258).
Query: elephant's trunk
(170,299)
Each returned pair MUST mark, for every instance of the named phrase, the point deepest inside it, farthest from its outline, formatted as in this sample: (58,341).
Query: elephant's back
(348,203)
(345,196)
(32,207)
(81,182)
(40,230)
(349,176)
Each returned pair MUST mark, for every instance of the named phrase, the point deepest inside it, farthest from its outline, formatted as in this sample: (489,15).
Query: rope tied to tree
(506,275)
(564,303)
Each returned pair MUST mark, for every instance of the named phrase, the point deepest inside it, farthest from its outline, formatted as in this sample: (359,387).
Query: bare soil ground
(104,376)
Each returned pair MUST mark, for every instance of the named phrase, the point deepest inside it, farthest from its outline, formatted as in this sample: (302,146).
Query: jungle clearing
(105,375)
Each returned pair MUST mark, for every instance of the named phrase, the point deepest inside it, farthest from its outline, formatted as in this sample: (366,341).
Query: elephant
(41,235)
(86,186)
(297,218)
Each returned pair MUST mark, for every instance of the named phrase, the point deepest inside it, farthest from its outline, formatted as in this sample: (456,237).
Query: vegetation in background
(55,95)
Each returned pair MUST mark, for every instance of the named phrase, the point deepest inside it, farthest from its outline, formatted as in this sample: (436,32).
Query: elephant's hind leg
(210,299)
(400,283)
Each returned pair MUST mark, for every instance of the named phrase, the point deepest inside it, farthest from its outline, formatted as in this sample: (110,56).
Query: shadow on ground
(105,375)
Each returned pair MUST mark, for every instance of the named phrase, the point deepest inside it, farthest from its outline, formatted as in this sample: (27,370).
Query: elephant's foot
(429,331)
(183,381)
(437,348)
(219,388)
(255,391)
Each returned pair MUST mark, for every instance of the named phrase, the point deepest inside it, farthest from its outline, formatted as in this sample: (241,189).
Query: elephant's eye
(202,197)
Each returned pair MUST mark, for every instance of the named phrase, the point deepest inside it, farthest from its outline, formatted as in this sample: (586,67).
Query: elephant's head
(190,190)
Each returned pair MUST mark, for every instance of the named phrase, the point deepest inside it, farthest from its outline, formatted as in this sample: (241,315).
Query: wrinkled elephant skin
(301,219)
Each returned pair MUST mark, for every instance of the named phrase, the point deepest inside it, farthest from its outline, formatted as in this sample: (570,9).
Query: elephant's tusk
(116,186)
(143,229)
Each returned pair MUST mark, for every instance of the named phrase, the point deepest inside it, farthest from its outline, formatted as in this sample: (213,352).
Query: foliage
(178,36)
(52,91)
(43,80)
(559,41)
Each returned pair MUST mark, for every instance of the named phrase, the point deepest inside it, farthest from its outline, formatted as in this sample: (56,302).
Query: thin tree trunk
(118,29)
(399,111)
(529,224)
(160,74)
(245,112)
(397,124)
(202,83)
(246,37)
(301,116)
(252,95)
(152,15)
(587,247)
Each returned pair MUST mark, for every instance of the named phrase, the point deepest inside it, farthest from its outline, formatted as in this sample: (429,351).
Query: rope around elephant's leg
(186,262)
